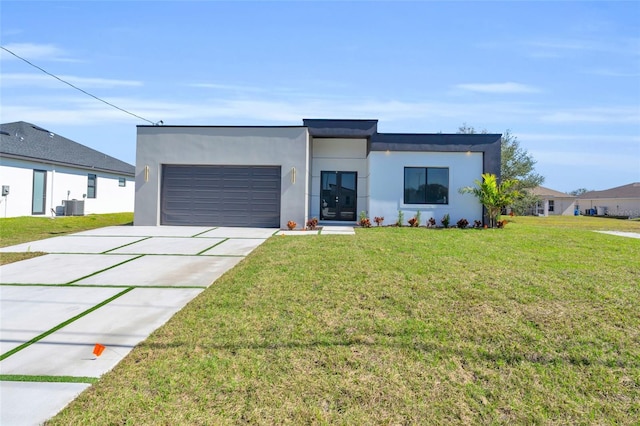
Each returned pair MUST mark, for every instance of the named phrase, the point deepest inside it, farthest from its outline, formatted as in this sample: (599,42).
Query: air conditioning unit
(73,207)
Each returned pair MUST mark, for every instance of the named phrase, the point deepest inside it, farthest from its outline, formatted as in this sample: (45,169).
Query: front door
(338,195)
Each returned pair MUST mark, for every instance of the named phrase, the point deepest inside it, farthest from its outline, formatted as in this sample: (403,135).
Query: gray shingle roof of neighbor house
(546,192)
(631,190)
(27,141)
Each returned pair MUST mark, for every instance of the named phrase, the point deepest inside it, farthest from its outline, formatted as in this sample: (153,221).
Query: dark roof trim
(488,144)
(220,127)
(330,128)
(447,142)
(70,165)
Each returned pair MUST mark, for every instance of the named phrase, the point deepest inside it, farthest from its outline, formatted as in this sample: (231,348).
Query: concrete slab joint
(112,286)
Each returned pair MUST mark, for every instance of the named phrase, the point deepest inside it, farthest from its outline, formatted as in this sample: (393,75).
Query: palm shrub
(494,196)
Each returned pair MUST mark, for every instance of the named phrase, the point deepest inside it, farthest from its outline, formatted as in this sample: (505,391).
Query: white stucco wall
(561,207)
(614,206)
(286,147)
(386,183)
(63,183)
(342,155)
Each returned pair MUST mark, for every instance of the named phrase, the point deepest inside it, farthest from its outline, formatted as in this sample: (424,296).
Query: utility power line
(76,87)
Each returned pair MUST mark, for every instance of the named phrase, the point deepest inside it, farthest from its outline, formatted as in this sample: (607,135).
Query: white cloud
(229,87)
(579,138)
(81,110)
(597,160)
(612,73)
(34,51)
(559,47)
(509,87)
(595,115)
(394,115)
(43,80)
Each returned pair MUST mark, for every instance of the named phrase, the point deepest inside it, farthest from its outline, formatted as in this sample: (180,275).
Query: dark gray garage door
(220,195)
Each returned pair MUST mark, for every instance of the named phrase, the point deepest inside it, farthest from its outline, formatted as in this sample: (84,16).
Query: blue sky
(564,77)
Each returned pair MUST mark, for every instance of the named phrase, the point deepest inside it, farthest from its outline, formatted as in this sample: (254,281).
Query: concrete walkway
(112,286)
(324,230)
(621,234)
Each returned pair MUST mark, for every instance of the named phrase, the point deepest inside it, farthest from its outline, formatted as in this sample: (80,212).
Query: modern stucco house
(329,169)
(619,201)
(553,203)
(42,172)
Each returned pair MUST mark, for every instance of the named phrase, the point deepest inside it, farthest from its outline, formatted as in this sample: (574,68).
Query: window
(426,185)
(92,186)
(39,194)
(122,181)
(550,205)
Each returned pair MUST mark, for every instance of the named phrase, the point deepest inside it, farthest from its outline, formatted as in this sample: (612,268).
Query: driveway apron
(110,286)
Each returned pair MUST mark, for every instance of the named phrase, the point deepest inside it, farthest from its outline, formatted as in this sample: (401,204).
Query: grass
(535,323)
(17,230)
(46,379)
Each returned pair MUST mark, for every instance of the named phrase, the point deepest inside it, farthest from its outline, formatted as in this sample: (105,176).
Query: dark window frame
(122,182)
(551,205)
(425,197)
(92,178)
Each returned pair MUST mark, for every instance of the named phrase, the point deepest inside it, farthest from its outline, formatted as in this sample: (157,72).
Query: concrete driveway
(112,286)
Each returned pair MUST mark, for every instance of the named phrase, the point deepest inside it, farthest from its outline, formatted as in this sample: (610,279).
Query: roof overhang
(70,165)
(326,128)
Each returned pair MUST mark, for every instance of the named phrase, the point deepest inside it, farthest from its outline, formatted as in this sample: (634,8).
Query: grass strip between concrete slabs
(209,248)
(125,245)
(203,232)
(532,324)
(63,324)
(46,379)
(105,285)
(105,269)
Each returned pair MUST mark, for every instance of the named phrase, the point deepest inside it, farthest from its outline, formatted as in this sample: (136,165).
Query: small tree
(493,195)
(579,191)
(515,161)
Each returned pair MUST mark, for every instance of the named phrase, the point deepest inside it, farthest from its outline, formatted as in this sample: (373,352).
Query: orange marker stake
(97,349)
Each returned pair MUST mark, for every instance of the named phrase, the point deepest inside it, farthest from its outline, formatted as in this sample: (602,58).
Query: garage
(220,195)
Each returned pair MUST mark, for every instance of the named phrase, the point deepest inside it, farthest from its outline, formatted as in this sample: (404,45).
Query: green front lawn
(534,323)
(17,230)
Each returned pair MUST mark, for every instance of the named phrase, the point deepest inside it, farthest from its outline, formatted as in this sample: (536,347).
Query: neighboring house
(329,169)
(619,201)
(553,202)
(41,173)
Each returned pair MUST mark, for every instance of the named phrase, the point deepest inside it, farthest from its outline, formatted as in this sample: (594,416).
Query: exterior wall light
(146,173)
(293,175)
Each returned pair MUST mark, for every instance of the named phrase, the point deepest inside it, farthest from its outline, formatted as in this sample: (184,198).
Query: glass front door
(338,195)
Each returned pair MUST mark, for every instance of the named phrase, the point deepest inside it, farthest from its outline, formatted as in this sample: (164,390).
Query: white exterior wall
(63,183)
(614,206)
(386,183)
(341,155)
(561,207)
(564,206)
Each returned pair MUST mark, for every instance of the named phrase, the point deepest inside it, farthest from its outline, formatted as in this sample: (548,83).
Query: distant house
(619,201)
(553,202)
(42,173)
